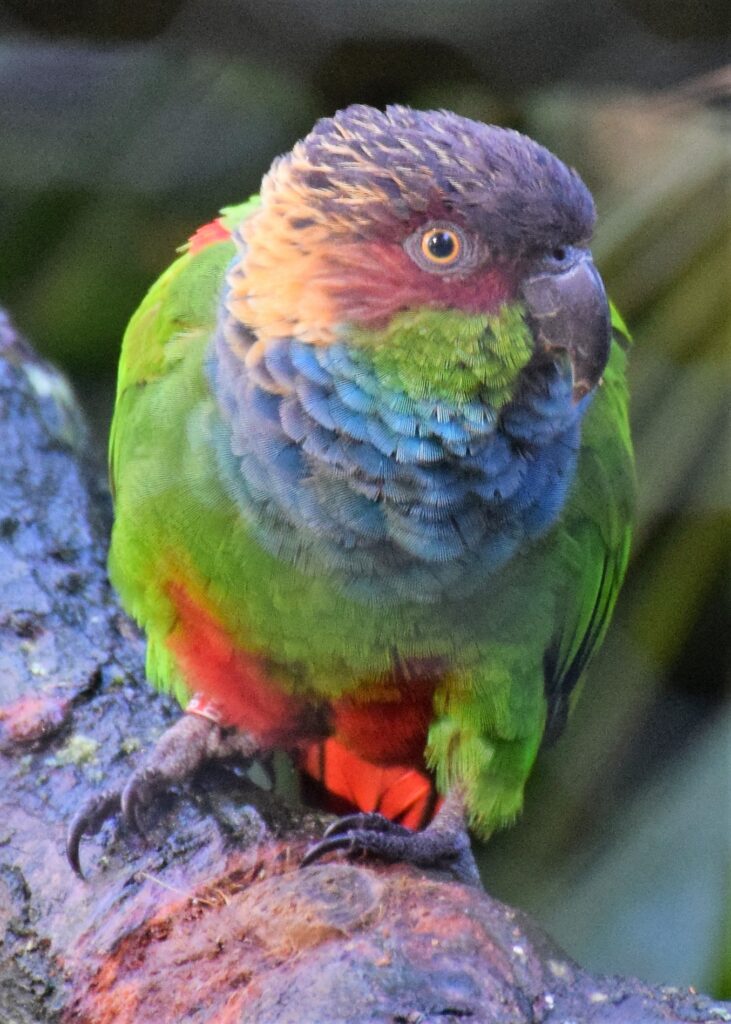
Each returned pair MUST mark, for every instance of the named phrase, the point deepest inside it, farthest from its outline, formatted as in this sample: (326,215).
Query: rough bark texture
(209,919)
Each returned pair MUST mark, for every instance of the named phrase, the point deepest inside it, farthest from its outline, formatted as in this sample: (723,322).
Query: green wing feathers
(160,394)
(554,606)
(179,307)
(599,518)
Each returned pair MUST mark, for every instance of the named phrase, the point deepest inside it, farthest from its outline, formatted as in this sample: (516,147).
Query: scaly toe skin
(140,791)
(88,821)
(178,753)
(375,836)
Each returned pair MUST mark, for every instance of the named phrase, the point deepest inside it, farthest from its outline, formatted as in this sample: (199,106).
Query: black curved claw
(376,836)
(343,834)
(88,821)
(372,821)
(139,792)
(325,846)
(130,801)
(177,754)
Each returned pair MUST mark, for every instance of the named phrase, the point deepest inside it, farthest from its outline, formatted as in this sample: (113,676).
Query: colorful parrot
(373,478)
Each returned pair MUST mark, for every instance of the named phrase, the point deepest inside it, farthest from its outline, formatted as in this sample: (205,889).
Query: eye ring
(441,246)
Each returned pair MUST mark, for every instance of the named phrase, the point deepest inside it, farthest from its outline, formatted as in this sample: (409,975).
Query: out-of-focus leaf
(653,903)
(137,119)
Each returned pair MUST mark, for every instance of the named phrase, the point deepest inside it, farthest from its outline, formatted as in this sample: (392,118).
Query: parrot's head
(455,252)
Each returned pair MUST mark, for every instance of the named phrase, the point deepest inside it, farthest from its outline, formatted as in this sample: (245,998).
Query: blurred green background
(124,126)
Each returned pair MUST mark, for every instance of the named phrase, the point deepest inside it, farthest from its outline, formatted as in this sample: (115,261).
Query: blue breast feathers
(392,497)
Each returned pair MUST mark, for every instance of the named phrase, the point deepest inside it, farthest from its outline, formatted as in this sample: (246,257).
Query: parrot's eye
(439,247)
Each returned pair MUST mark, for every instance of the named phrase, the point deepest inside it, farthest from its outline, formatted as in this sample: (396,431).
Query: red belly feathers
(365,753)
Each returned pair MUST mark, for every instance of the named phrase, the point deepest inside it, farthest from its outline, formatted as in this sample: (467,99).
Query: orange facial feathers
(325,247)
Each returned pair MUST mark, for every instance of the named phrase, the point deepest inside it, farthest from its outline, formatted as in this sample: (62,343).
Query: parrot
(373,480)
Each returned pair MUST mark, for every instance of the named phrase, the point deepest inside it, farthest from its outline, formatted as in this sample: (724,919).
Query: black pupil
(441,245)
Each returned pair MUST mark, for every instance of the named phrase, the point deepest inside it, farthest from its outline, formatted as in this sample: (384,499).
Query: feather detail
(341,781)
(208,234)
(241,685)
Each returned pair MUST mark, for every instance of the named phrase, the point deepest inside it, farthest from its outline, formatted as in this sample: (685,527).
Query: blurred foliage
(123,127)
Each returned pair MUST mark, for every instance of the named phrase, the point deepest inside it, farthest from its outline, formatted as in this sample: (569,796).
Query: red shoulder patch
(208,234)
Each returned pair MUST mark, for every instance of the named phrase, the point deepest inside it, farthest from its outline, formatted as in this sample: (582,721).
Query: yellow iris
(441,246)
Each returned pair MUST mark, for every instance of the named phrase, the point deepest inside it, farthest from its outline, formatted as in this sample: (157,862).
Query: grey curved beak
(568,311)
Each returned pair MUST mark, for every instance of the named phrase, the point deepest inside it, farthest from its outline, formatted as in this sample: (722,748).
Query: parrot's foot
(444,845)
(179,752)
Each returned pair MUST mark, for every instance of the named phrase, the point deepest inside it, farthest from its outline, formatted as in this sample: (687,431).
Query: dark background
(125,126)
